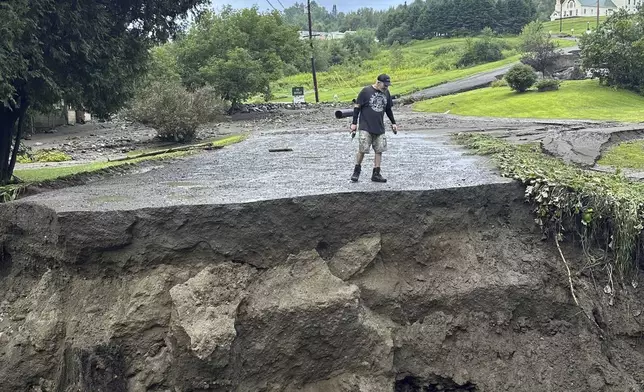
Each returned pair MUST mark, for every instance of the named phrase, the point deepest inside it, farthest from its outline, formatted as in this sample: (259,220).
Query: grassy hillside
(579,24)
(584,99)
(412,67)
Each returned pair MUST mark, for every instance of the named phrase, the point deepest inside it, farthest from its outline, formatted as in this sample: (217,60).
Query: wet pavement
(476,81)
(319,163)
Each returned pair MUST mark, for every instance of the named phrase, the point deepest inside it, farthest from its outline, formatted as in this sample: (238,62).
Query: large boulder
(354,257)
(571,73)
(301,324)
(205,308)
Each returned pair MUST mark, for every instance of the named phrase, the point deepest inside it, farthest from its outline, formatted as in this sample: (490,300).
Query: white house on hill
(576,8)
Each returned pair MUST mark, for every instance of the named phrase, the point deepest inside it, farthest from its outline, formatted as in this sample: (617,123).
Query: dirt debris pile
(447,290)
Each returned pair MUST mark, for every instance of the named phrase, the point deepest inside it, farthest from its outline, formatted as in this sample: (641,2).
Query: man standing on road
(372,104)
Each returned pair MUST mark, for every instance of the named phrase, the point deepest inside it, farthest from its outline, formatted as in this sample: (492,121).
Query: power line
(281,4)
(269,3)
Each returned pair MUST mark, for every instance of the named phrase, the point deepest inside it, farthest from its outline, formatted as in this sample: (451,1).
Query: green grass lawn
(414,67)
(52,173)
(579,24)
(584,99)
(625,155)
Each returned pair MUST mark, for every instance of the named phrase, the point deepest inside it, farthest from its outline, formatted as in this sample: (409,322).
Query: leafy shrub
(26,155)
(446,49)
(174,111)
(547,85)
(361,44)
(577,73)
(398,34)
(396,56)
(52,155)
(499,83)
(521,77)
(441,65)
(613,52)
(539,51)
(480,51)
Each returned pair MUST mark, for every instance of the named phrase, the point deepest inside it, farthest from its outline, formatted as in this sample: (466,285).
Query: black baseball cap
(384,78)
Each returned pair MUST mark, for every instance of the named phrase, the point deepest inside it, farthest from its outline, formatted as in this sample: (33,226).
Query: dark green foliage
(482,50)
(174,111)
(328,20)
(446,49)
(361,45)
(521,77)
(457,17)
(352,49)
(422,19)
(547,85)
(398,34)
(539,51)
(615,51)
(544,9)
(86,53)
(238,52)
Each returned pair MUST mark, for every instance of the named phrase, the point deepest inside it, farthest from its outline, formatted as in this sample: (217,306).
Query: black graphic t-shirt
(373,105)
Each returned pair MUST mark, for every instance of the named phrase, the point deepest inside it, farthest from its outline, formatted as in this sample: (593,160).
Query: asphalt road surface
(319,163)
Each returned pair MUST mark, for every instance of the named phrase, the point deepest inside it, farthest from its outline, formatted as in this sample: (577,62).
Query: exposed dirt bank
(449,290)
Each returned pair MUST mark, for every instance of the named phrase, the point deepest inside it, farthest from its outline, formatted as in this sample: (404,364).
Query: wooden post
(315,80)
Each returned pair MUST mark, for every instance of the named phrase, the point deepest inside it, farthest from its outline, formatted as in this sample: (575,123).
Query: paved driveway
(319,163)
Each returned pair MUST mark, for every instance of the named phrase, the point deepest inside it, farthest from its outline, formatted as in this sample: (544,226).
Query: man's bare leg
(359,158)
(377,159)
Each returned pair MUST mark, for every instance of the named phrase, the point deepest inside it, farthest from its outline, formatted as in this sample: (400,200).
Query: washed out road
(319,163)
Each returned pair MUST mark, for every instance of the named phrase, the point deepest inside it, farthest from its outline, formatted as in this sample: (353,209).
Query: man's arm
(388,111)
(357,107)
(390,114)
(356,113)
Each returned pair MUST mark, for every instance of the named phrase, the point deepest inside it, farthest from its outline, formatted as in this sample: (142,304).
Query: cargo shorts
(367,139)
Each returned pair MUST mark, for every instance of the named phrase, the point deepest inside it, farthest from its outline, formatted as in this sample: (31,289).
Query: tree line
(425,18)
(331,20)
(446,18)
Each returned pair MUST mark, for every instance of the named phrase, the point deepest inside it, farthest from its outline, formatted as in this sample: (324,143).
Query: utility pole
(560,16)
(598,14)
(315,79)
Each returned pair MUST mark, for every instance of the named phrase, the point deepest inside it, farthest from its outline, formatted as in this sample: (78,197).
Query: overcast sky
(343,6)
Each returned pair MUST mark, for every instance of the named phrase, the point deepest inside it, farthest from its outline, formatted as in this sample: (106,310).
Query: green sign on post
(298,94)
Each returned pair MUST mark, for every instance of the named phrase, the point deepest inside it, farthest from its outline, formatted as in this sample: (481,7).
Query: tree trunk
(22,113)
(7,123)
(233,104)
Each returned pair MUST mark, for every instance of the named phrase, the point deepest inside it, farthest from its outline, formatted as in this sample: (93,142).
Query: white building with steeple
(577,8)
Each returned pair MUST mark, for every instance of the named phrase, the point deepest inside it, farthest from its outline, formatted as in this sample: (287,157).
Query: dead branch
(572,288)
